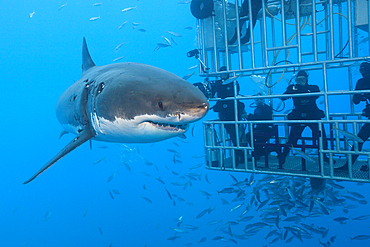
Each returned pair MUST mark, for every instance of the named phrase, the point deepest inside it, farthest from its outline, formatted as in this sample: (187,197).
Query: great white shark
(126,103)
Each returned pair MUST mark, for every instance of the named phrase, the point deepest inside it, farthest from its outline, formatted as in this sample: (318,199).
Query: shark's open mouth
(169,127)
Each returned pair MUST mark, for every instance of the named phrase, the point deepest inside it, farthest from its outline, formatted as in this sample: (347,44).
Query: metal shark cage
(329,39)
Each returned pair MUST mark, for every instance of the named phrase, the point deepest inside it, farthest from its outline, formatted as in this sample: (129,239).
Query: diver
(262,132)
(256,7)
(364,133)
(226,110)
(305,108)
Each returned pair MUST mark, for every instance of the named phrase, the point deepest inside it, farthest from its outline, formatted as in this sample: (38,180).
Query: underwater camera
(193,53)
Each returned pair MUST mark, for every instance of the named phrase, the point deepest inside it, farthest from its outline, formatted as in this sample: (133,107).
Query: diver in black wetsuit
(262,112)
(256,7)
(226,110)
(364,133)
(305,108)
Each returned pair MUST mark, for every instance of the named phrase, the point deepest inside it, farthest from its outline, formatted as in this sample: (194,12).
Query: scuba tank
(212,156)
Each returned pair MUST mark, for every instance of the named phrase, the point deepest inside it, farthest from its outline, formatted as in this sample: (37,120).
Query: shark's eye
(160,104)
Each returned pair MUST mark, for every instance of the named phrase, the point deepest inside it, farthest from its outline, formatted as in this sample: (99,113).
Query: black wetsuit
(256,7)
(226,111)
(364,133)
(305,108)
(262,132)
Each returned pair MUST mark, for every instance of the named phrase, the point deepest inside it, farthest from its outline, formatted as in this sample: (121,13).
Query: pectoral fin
(82,137)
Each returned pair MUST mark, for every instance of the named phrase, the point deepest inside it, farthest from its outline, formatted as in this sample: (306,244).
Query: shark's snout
(201,110)
(204,107)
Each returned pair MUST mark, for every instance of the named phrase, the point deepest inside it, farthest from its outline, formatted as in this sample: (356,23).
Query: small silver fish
(145,174)
(31,14)
(206,177)
(202,240)
(15,210)
(360,237)
(356,194)
(48,214)
(363,217)
(196,166)
(111,195)
(111,177)
(291,194)
(182,139)
(174,41)
(173,237)
(129,9)
(147,199)
(118,46)
(236,207)
(118,58)
(231,79)
(98,161)
(179,230)
(349,135)
(160,180)
(177,184)
(97,4)
(61,7)
(86,211)
(192,67)
(122,25)
(188,76)
(167,40)
(117,192)
(128,168)
(304,155)
(163,45)
(174,34)
(203,213)
(94,18)
(148,163)
(168,193)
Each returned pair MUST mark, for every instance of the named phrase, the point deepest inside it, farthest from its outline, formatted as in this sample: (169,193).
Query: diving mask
(301,80)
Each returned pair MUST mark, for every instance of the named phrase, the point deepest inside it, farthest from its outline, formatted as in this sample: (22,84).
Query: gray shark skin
(126,103)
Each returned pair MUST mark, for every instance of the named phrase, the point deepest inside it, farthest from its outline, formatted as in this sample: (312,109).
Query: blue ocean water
(72,204)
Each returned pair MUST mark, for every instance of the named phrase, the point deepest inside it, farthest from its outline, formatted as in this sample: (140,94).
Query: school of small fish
(279,209)
(167,35)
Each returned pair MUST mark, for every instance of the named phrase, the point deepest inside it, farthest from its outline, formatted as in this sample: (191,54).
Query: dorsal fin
(87,62)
